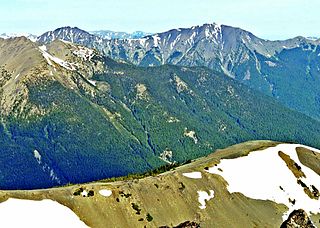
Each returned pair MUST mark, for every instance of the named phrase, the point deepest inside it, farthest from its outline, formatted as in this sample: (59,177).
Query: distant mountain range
(286,70)
(104,34)
(12,35)
(107,34)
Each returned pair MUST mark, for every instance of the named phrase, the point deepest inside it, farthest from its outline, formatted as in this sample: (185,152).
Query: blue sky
(270,19)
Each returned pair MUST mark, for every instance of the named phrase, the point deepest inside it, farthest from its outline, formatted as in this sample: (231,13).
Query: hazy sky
(270,19)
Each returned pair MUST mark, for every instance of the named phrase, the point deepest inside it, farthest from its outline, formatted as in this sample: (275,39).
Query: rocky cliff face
(298,218)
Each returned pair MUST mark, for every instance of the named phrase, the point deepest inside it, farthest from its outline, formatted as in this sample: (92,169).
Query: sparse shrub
(149,217)
(78,192)
(182,186)
(136,208)
(91,193)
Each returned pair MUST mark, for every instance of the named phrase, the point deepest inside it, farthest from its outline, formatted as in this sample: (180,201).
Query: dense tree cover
(133,116)
(291,76)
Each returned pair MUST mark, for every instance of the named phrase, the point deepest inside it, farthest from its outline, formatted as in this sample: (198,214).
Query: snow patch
(271,64)
(105,192)
(37,214)
(175,41)
(37,156)
(84,193)
(17,76)
(173,119)
(264,175)
(156,40)
(203,197)
(84,53)
(94,83)
(50,58)
(193,175)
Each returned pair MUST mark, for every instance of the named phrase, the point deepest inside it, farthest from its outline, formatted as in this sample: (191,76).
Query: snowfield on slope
(264,175)
(49,58)
(193,175)
(203,197)
(37,214)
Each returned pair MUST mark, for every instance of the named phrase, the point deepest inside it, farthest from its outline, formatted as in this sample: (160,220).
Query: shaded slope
(81,117)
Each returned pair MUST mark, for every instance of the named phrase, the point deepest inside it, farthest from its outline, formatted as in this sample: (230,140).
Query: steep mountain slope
(66,109)
(281,69)
(205,193)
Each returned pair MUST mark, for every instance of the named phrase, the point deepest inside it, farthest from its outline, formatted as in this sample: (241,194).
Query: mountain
(107,34)
(71,34)
(253,184)
(287,70)
(71,115)
(12,35)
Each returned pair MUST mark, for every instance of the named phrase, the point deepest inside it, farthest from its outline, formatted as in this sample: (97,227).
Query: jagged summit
(72,34)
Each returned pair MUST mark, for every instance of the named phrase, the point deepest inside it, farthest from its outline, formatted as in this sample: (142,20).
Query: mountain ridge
(131,119)
(194,193)
(263,65)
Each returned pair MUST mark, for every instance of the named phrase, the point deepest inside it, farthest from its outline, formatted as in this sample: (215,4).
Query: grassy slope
(170,198)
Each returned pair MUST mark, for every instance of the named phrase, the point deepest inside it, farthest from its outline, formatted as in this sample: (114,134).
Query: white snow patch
(173,119)
(84,193)
(203,197)
(175,41)
(37,214)
(156,40)
(50,58)
(43,48)
(193,175)
(264,175)
(271,64)
(66,42)
(105,192)
(37,156)
(191,39)
(84,53)
(92,82)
